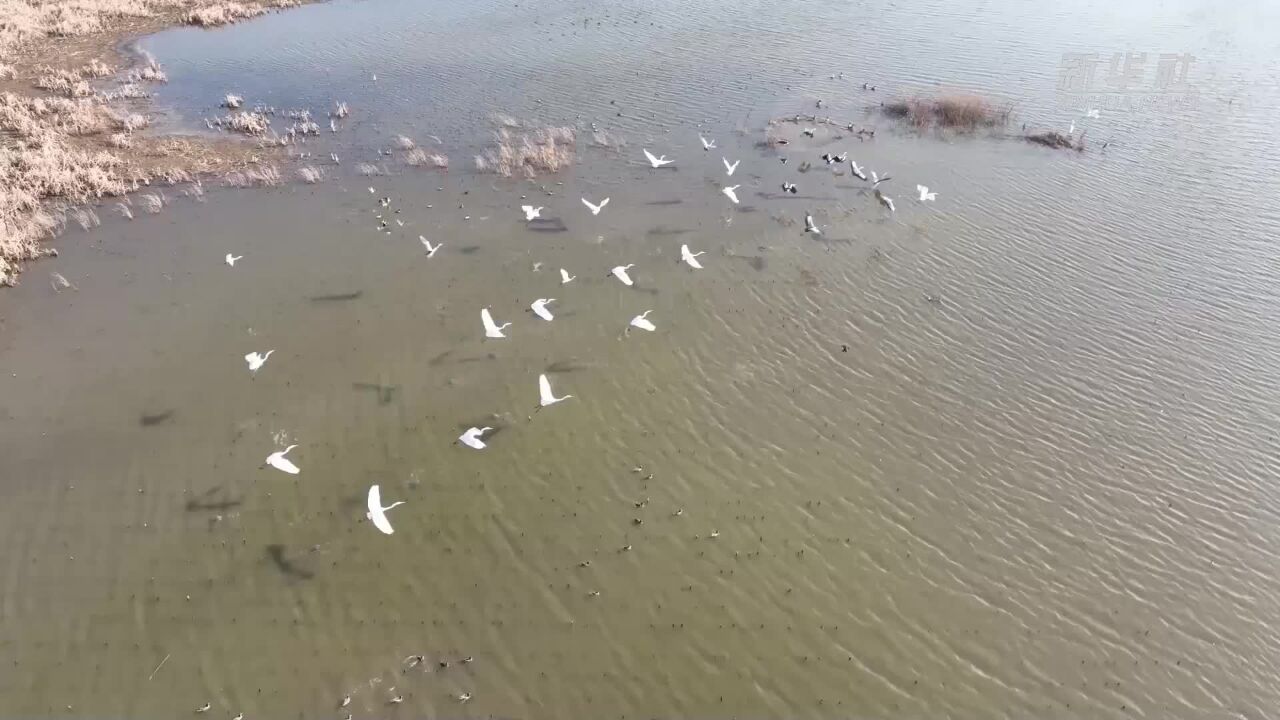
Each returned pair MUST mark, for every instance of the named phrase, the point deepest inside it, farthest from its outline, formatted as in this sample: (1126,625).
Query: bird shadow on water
(205,502)
(548,225)
(757,262)
(337,297)
(385,393)
(153,419)
(673,201)
(567,366)
(469,250)
(664,231)
(275,553)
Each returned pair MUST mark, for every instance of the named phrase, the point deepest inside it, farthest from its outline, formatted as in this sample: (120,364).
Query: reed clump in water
(265,176)
(542,150)
(310,174)
(418,157)
(951,112)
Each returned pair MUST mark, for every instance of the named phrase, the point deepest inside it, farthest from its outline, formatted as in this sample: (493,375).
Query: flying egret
(857,171)
(491,329)
(1072,130)
(595,209)
(789,187)
(539,308)
(729,192)
(707,144)
(531,212)
(808,132)
(377,513)
(728,169)
(278,461)
(545,397)
(471,438)
(840,158)
(431,250)
(642,321)
(1093,113)
(464,697)
(691,258)
(657,161)
(885,200)
(204,708)
(256,360)
(231,259)
(809,225)
(876,179)
(925,195)
(565,277)
(620,272)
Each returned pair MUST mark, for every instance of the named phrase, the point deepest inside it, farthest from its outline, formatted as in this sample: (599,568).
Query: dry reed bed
(63,143)
(528,152)
(951,112)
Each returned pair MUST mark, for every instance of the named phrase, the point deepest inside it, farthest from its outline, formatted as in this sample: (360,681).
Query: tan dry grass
(952,112)
(310,174)
(62,142)
(543,150)
(266,176)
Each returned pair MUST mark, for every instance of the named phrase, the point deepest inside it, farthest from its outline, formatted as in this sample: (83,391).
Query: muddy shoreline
(75,111)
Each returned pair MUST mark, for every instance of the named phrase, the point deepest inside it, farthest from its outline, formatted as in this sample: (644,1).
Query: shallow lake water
(1006,454)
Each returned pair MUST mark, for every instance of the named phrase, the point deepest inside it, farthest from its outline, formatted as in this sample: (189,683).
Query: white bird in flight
(491,329)
(642,321)
(728,169)
(876,179)
(885,200)
(809,225)
(278,461)
(925,195)
(231,259)
(471,438)
(539,308)
(657,161)
(531,212)
(707,144)
(1072,130)
(377,513)
(595,209)
(565,277)
(691,258)
(431,250)
(620,272)
(545,397)
(857,171)
(1093,113)
(729,191)
(256,360)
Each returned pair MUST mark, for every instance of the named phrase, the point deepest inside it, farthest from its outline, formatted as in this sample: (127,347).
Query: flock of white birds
(474,437)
